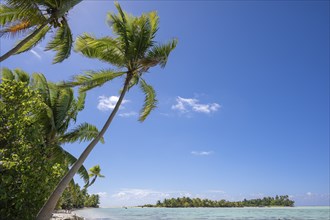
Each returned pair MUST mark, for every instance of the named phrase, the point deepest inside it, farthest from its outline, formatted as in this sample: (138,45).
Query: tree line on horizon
(186,202)
(38,116)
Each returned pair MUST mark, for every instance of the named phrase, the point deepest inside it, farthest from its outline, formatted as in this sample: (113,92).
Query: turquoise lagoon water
(296,213)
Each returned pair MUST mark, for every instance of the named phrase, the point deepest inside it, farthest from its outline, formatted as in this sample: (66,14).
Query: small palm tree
(134,52)
(22,16)
(60,110)
(95,172)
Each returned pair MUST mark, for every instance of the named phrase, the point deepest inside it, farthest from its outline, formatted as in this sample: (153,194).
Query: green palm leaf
(149,101)
(93,79)
(61,43)
(83,173)
(39,82)
(83,132)
(10,15)
(59,155)
(22,76)
(105,49)
(158,55)
(24,10)
(63,106)
(154,22)
(7,74)
(35,40)
(81,101)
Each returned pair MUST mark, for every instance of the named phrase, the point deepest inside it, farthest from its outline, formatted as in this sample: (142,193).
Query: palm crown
(38,16)
(95,172)
(133,51)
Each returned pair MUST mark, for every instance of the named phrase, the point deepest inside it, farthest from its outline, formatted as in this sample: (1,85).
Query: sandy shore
(62,215)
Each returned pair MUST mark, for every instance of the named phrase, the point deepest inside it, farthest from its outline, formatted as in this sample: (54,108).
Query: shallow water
(295,213)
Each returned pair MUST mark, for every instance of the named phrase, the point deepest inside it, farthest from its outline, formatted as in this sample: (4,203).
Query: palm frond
(35,40)
(81,101)
(61,43)
(18,28)
(154,23)
(83,173)
(6,74)
(60,155)
(22,76)
(149,101)
(62,108)
(105,49)
(92,79)
(158,55)
(10,14)
(119,25)
(83,132)
(140,37)
(39,83)
(23,5)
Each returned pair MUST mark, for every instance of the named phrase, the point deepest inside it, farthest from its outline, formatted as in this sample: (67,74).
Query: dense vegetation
(75,197)
(27,175)
(186,202)
(35,116)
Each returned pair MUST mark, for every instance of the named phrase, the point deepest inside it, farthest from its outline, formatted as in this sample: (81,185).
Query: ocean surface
(296,213)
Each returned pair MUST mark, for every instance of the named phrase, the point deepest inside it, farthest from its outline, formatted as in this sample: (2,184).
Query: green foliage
(95,172)
(149,101)
(27,175)
(186,202)
(61,43)
(34,41)
(40,17)
(34,119)
(74,197)
(133,48)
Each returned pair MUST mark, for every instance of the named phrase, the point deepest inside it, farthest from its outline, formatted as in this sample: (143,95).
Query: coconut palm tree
(95,172)
(60,110)
(35,18)
(133,51)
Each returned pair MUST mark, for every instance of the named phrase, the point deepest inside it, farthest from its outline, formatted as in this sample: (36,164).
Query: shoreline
(65,215)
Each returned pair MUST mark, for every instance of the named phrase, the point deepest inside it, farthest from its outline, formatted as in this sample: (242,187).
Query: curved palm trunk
(23,42)
(46,211)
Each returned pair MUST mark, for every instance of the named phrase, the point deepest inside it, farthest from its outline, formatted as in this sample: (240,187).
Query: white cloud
(128,114)
(108,103)
(184,105)
(134,194)
(36,54)
(202,153)
(309,194)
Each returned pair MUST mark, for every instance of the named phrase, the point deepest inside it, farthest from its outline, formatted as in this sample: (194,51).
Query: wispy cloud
(128,114)
(35,53)
(185,105)
(108,103)
(201,153)
(129,194)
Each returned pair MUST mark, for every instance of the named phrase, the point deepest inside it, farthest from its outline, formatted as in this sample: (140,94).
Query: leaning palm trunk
(46,211)
(23,42)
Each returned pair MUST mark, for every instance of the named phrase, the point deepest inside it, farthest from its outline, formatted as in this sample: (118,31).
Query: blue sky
(243,106)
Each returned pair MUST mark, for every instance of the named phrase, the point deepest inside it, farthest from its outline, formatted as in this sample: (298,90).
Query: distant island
(186,202)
